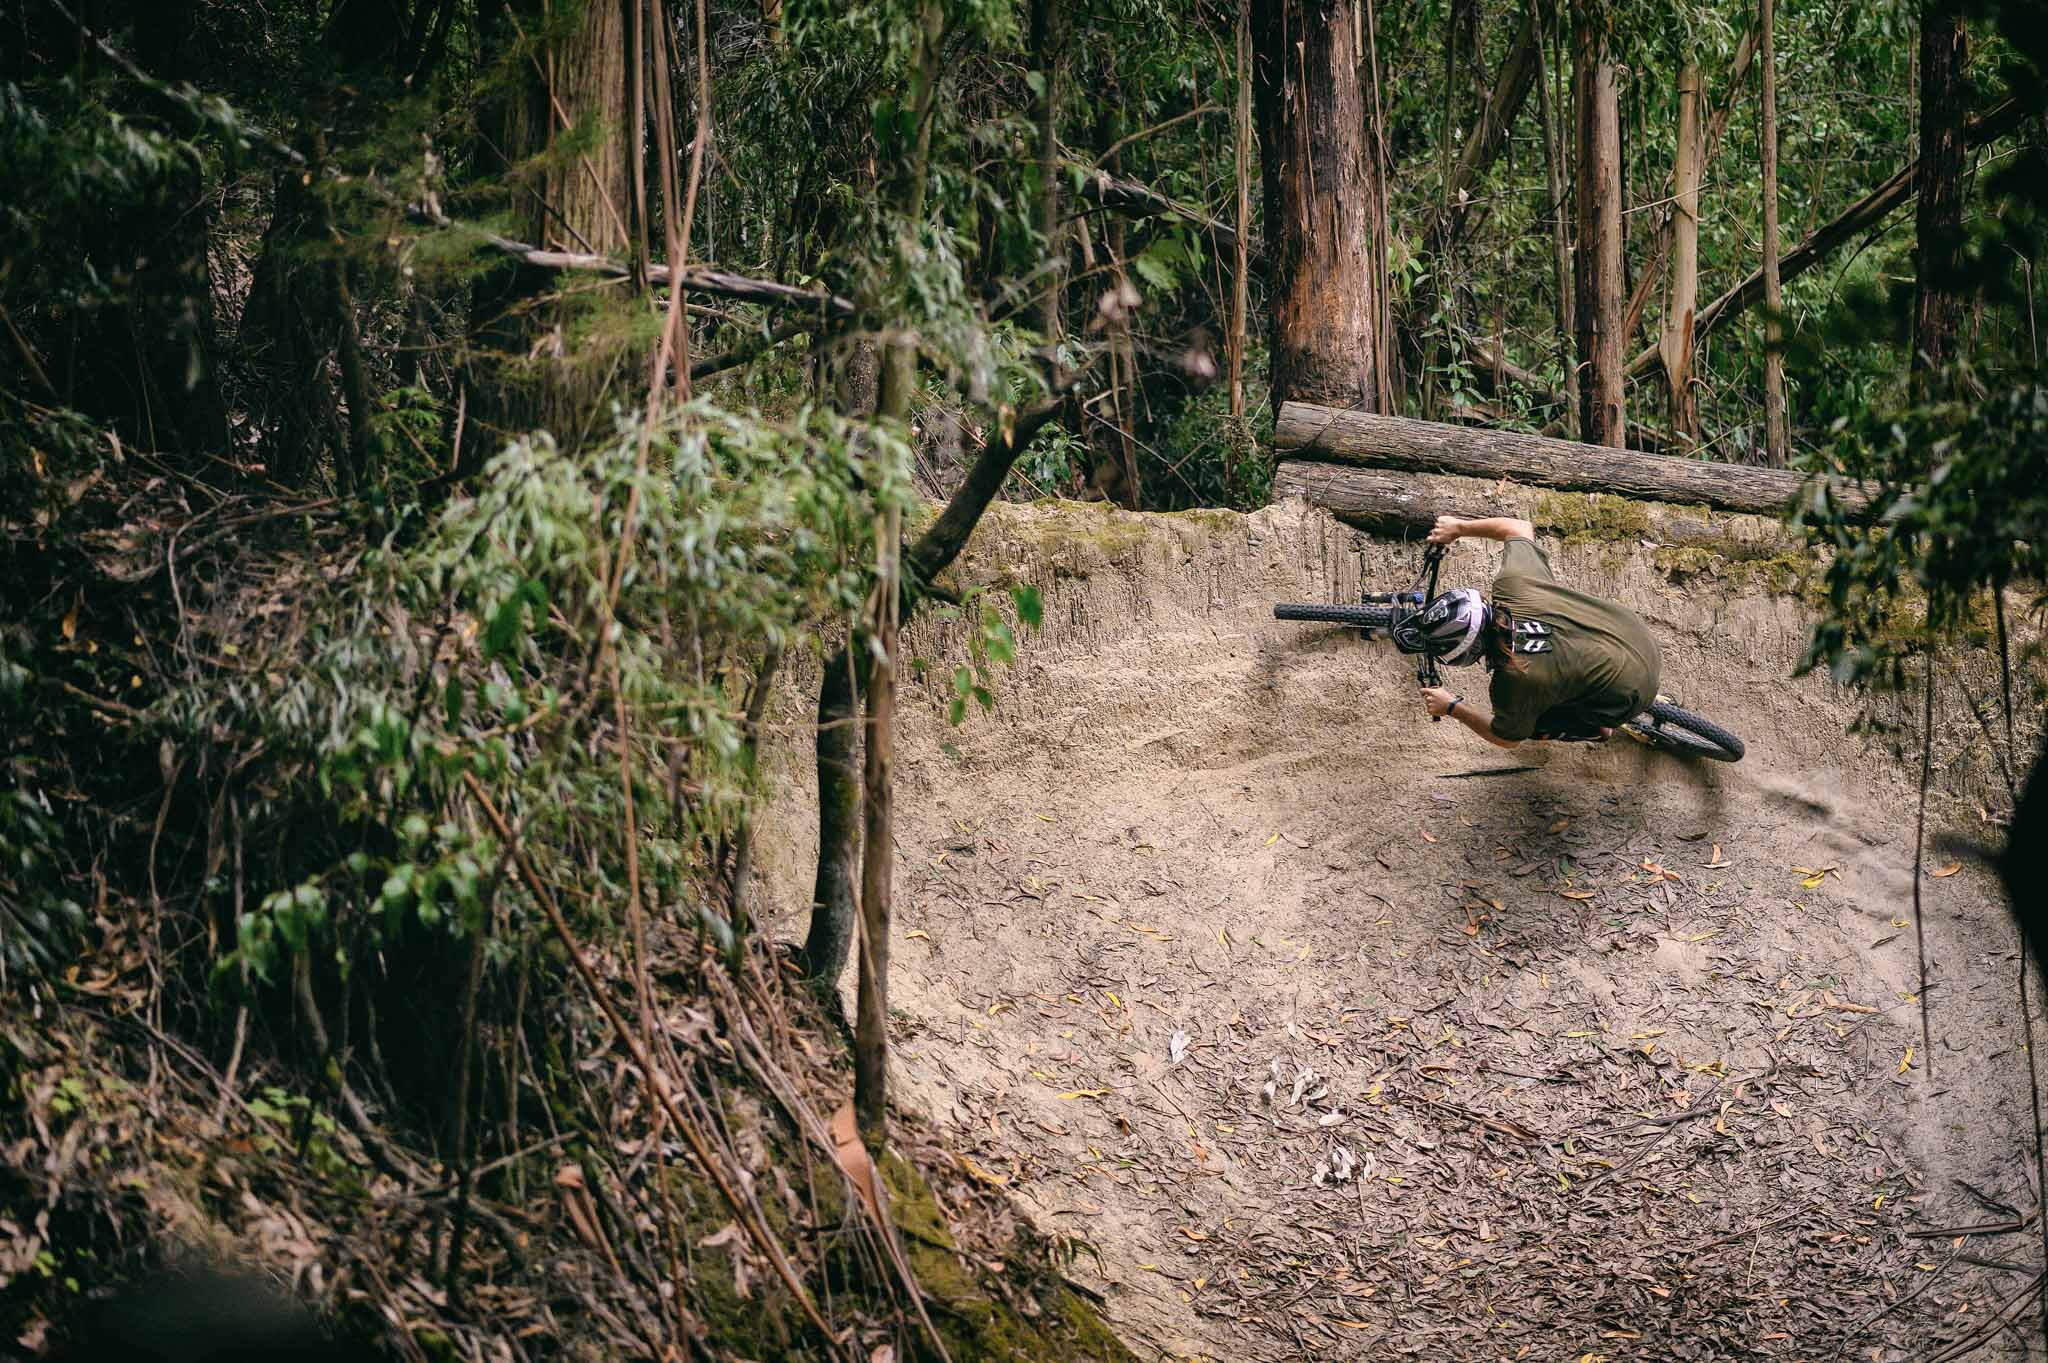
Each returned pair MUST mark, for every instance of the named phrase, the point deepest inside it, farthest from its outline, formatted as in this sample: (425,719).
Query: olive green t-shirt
(1601,667)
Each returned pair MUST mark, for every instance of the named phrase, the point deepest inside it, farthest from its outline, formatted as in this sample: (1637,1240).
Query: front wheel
(1358,617)
(1681,731)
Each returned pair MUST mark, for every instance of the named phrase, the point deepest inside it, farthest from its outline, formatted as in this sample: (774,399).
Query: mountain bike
(1385,615)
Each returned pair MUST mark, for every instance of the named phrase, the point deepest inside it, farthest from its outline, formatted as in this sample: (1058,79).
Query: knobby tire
(1685,732)
(1358,617)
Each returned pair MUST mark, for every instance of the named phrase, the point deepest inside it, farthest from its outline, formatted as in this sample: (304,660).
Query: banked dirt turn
(1321,1031)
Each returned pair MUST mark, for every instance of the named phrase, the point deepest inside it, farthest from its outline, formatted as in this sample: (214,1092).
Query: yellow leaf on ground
(1906,1060)
(1270,841)
(918,932)
(1072,1094)
(1947,870)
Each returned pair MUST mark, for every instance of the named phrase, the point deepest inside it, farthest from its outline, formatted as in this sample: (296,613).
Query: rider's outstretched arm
(1441,702)
(1449,529)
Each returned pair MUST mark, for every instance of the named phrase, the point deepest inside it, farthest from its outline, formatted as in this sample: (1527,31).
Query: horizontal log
(1340,435)
(1406,505)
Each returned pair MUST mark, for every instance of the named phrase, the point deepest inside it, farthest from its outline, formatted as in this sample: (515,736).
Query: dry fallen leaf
(1427,836)
(852,1158)
(1576,894)
(1947,870)
(993,1180)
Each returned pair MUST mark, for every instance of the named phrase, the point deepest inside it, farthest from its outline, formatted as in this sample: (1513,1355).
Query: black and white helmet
(1451,628)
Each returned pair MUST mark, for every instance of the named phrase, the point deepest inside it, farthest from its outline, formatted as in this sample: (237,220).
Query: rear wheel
(1682,731)
(1358,617)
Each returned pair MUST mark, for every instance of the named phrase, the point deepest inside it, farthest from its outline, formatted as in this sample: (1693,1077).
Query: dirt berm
(1335,1033)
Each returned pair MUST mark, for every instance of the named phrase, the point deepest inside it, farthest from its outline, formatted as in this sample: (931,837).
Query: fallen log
(1406,505)
(1341,435)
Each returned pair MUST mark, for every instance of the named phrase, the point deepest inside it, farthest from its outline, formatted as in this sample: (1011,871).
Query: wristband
(1452,708)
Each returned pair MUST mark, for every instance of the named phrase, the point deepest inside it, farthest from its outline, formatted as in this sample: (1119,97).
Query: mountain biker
(1564,663)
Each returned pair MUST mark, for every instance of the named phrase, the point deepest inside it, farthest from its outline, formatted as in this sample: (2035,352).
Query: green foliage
(990,643)
(1960,475)
(453,657)
(39,920)
(1964,508)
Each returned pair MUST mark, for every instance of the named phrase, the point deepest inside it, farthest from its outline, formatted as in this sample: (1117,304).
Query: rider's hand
(1436,700)
(1447,530)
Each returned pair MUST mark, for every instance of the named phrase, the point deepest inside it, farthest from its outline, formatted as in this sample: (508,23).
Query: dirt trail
(1211,953)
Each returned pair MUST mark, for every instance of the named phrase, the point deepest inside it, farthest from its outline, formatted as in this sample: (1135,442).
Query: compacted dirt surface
(1322,1031)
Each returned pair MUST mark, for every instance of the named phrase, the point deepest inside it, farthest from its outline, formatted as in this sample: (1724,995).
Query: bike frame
(1415,599)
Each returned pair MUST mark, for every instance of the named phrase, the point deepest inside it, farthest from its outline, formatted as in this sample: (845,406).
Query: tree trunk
(1338,435)
(1775,434)
(1240,285)
(1319,146)
(1045,61)
(1486,141)
(851,673)
(838,763)
(637,53)
(878,860)
(1867,212)
(1938,224)
(299,315)
(1660,245)
(1560,231)
(567,202)
(1598,262)
(2024,865)
(1685,260)
(899,357)
(839,768)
